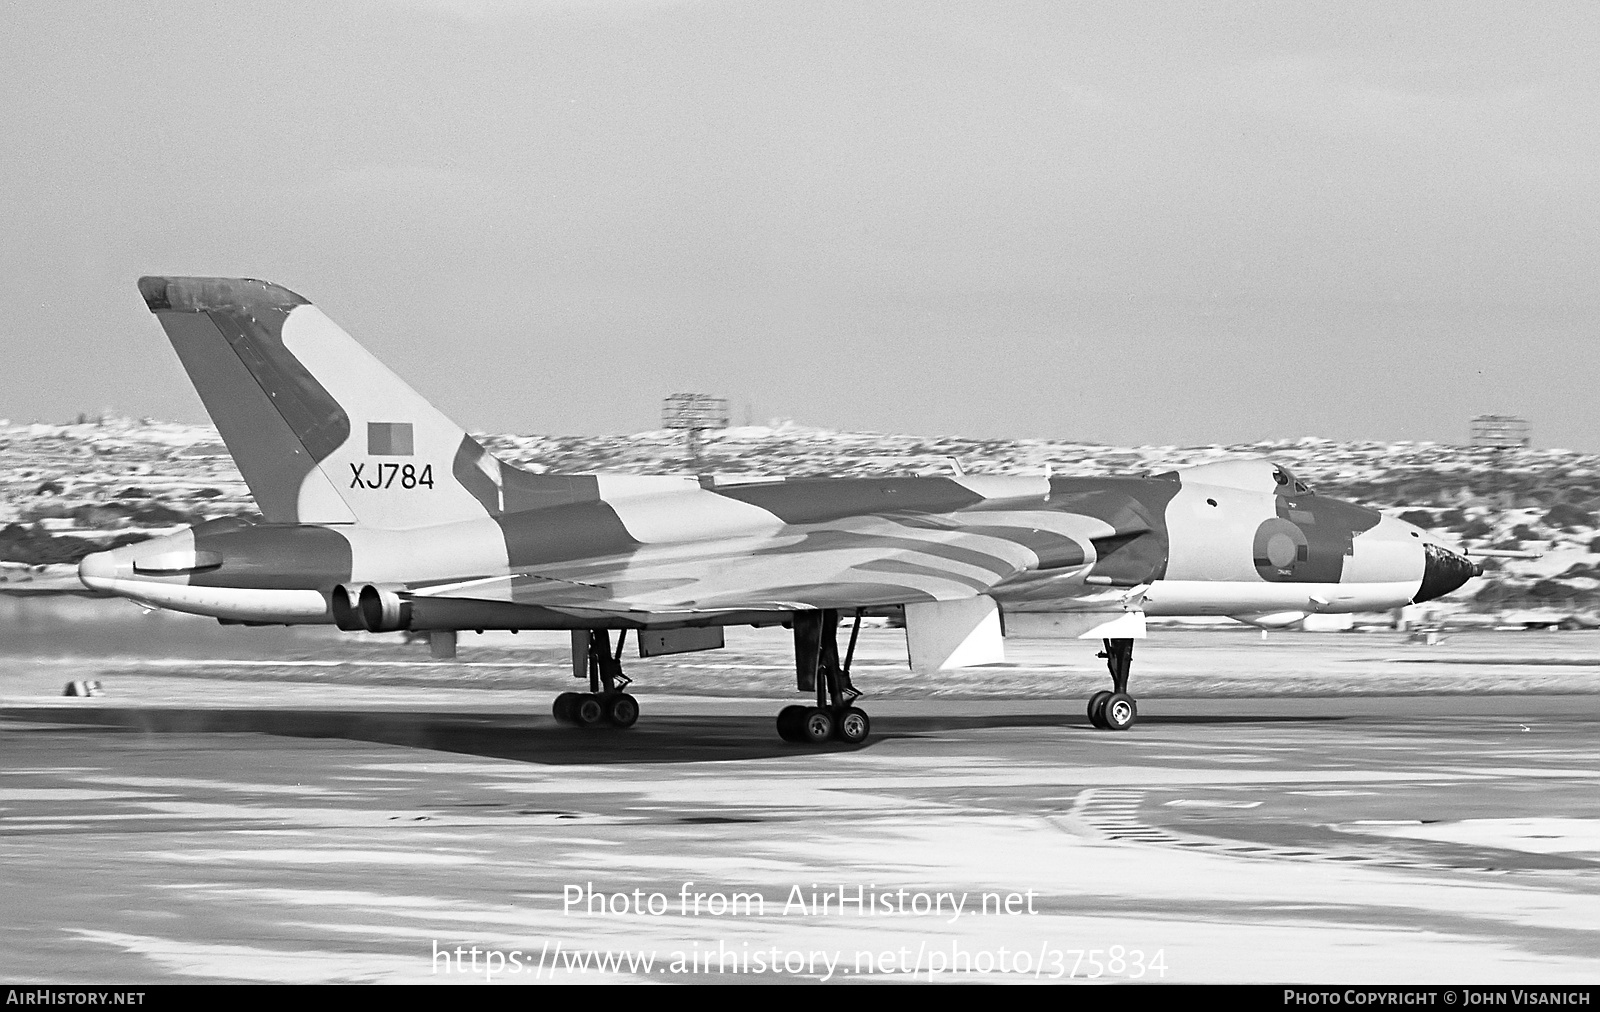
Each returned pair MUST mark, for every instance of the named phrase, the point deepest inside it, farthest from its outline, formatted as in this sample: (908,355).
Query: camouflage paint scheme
(368,493)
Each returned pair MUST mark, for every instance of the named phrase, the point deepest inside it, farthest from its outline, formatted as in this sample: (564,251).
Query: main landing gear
(835,717)
(605,702)
(1115,710)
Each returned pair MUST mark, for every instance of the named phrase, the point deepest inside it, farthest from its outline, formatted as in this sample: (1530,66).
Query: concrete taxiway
(251,832)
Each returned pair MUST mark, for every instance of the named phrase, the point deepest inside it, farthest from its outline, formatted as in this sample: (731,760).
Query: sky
(1153,223)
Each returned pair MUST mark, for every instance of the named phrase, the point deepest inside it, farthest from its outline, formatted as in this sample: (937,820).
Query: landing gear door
(655,643)
(954,634)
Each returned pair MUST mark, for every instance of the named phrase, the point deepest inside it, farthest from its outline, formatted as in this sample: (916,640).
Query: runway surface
(320,833)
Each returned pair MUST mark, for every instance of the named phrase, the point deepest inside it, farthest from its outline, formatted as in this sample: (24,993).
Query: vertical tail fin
(322,431)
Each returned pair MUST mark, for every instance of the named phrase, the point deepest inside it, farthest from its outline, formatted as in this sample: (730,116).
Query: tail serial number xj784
(381,514)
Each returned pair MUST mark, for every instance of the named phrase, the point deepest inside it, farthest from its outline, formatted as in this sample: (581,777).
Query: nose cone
(1442,572)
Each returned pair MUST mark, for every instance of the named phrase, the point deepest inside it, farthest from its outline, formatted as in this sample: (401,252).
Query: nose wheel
(1114,709)
(1097,705)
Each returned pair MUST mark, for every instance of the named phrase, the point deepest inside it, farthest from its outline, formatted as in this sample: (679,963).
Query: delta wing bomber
(381,514)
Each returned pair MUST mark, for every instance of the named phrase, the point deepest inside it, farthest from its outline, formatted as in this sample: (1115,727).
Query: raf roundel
(1280,546)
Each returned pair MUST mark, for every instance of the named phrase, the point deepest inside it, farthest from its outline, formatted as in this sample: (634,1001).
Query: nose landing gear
(1115,710)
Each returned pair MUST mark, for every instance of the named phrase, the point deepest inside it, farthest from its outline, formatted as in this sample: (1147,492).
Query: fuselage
(1175,543)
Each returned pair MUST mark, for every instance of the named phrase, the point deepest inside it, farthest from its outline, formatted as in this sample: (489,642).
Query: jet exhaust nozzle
(346,607)
(383,610)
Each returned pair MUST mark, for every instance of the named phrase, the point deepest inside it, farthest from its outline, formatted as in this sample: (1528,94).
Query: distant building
(1501,432)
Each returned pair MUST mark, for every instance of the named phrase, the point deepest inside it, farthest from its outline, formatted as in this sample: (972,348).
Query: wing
(860,561)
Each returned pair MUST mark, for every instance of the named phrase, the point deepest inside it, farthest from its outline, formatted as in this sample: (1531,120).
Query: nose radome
(1442,572)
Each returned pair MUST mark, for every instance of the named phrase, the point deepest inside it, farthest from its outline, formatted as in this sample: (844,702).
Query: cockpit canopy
(1252,474)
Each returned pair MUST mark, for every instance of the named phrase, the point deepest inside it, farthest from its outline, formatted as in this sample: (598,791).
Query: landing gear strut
(817,667)
(1115,710)
(605,702)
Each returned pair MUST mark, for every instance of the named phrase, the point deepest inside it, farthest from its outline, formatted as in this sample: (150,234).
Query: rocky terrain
(69,489)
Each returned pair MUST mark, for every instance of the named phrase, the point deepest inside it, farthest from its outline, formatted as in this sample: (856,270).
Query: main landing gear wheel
(816,724)
(790,719)
(817,727)
(605,702)
(852,726)
(835,716)
(623,710)
(561,709)
(588,710)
